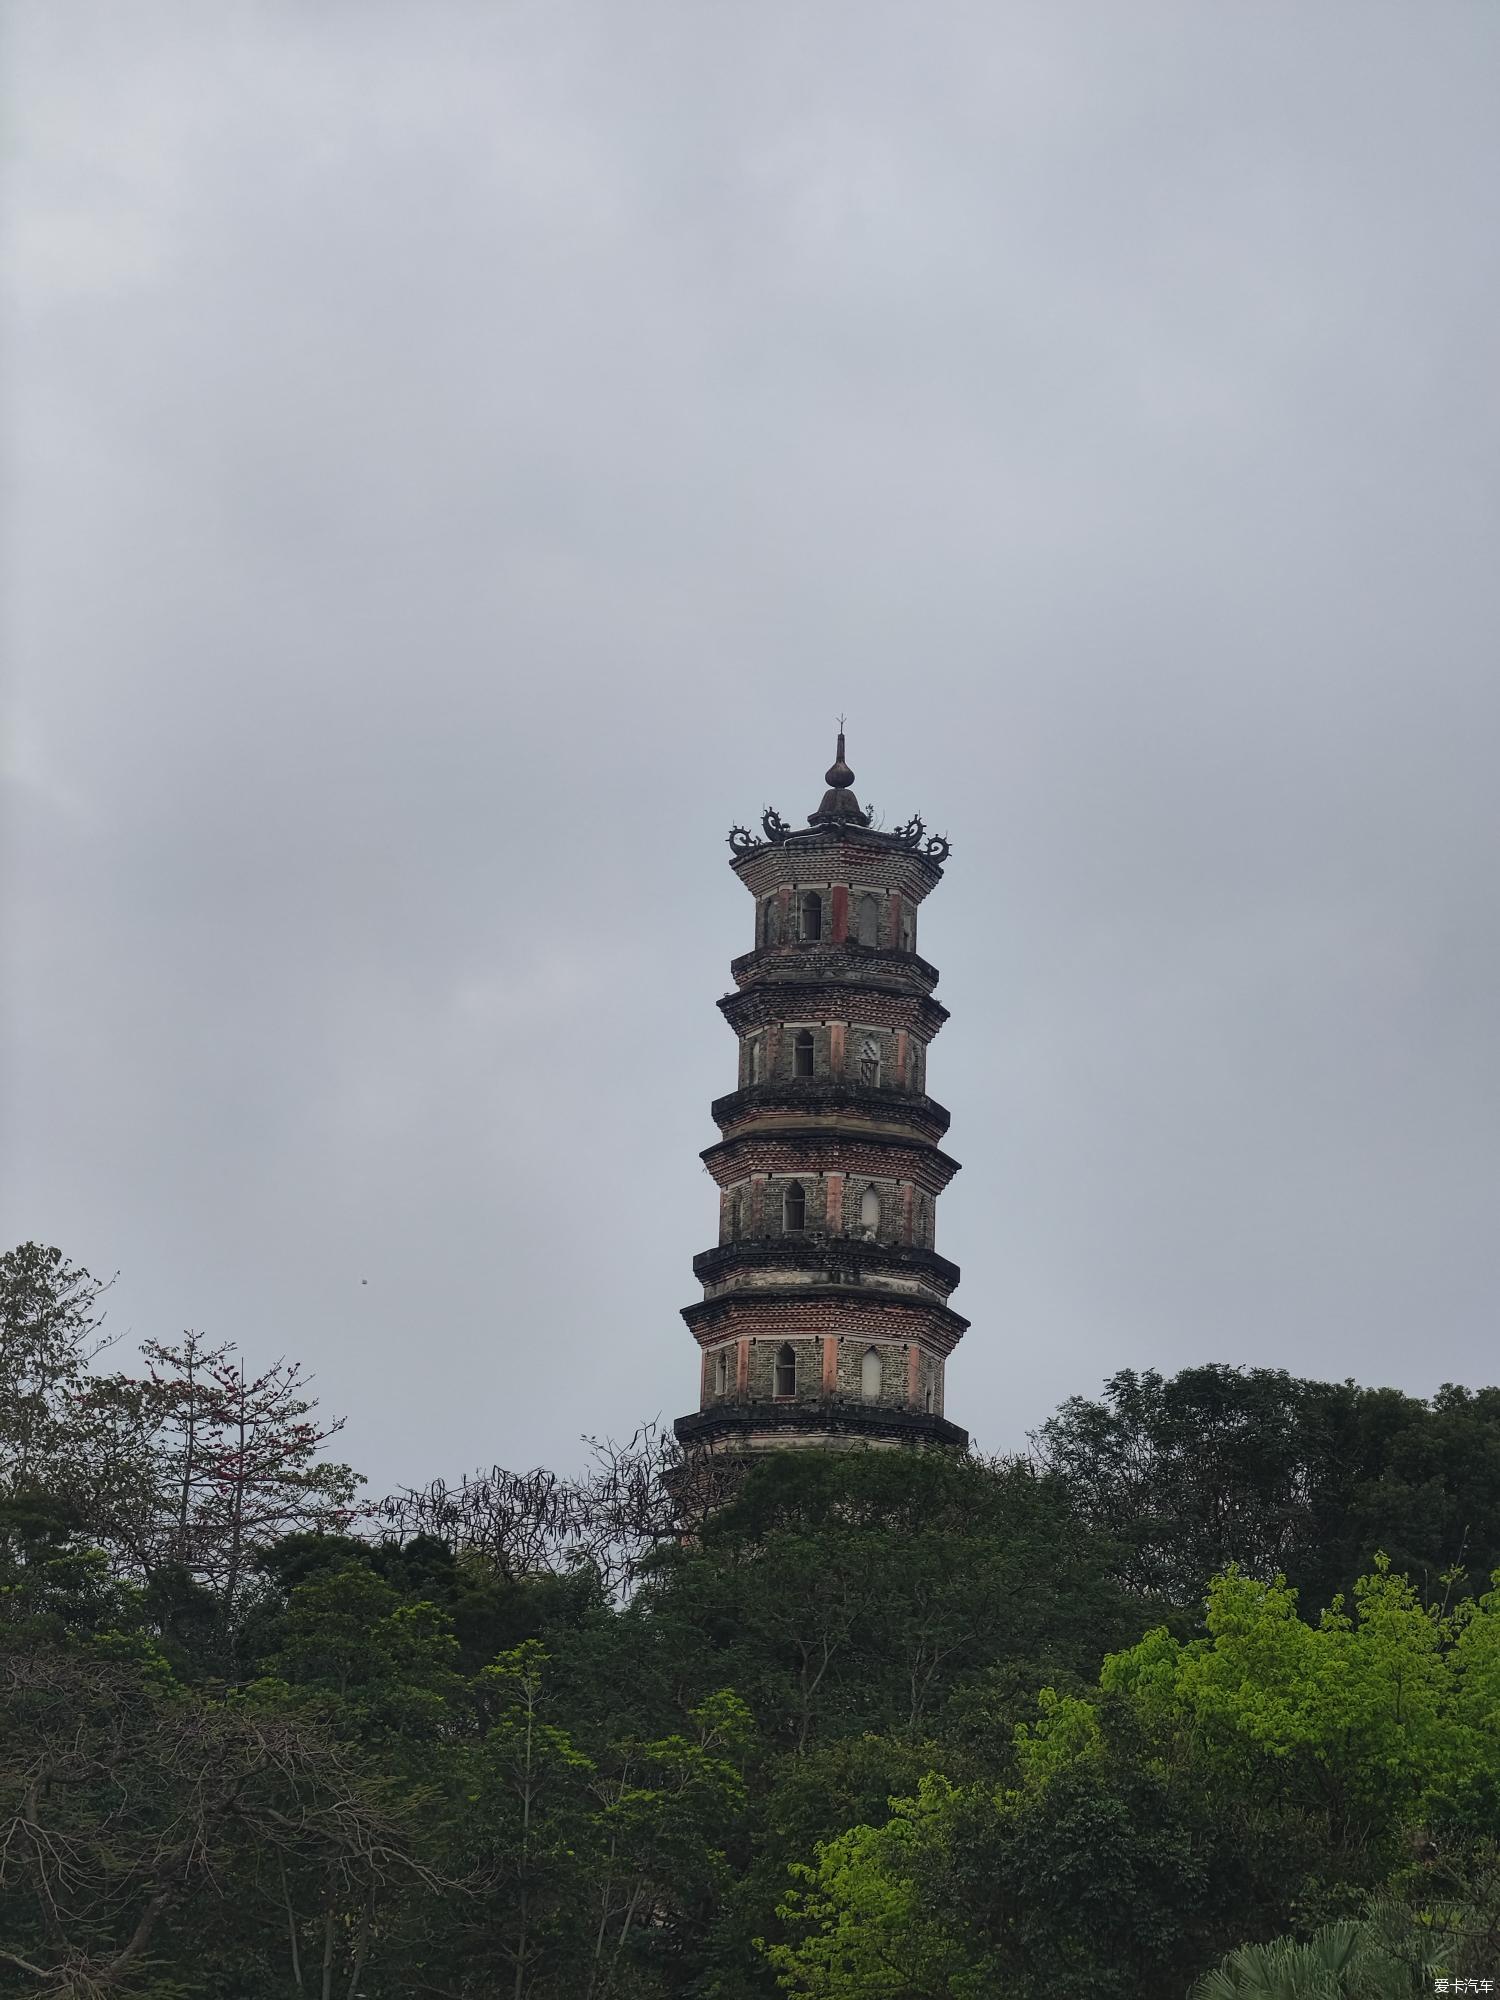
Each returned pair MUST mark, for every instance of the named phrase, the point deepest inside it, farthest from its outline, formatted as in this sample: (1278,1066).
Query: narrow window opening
(786,1370)
(869,1211)
(803,1048)
(794,1208)
(928,1400)
(721,1373)
(756,1058)
(868,920)
(869,1061)
(908,935)
(869,1375)
(812,916)
(772,933)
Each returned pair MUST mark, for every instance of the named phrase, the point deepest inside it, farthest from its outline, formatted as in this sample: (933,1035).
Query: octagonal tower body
(825,1319)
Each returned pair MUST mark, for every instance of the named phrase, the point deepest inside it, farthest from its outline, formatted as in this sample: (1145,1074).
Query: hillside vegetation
(1201,1696)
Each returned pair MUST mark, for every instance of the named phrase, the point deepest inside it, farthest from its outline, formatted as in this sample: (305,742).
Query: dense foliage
(1197,1698)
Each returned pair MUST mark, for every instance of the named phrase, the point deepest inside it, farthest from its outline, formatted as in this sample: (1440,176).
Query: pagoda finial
(838,773)
(839,803)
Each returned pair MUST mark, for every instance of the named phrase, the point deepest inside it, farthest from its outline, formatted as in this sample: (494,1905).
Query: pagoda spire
(839,805)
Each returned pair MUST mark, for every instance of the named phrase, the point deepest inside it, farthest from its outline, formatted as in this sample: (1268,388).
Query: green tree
(1353,1720)
(1278,1475)
(844,1595)
(54,1585)
(1099,1880)
(1338,1962)
(50,1330)
(665,1812)
(531,1836)
(378,1668)
(864,1926)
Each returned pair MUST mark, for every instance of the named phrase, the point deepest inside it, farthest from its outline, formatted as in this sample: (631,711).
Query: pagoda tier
(840,1260)
(761,1311)
(752,1158)
(767,1002)
(850,963)
(825,1316)
(793,1104)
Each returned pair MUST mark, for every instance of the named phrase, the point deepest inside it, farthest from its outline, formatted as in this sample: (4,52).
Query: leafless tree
(120,1803)
(634,1498)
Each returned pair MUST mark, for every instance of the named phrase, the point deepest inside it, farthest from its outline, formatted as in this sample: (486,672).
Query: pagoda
(824,1320)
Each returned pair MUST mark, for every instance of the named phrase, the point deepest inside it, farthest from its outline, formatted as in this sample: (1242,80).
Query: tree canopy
(1200,1697)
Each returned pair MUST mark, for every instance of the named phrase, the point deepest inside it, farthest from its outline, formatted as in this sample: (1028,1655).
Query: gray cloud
(460,457)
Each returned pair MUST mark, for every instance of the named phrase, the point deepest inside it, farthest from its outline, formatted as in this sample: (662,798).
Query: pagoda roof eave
(819,1137)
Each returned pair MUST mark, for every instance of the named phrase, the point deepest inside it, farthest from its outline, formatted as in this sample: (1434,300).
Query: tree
(1207,1788)
(1215,1466)
(666,1810)
(1336,1963)
(49,1333)
(865,1930)
(378,1669)
(238,1466)
(183,1476)
(531,1838)
(54,1586)
(126,1806)
(1354,1721)
(1099,1878)
(1278,1475)
(633,1500)
(845,1593)
(1441,1914)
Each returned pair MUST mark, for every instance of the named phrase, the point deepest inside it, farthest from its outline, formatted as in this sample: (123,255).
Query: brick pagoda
(825,1319)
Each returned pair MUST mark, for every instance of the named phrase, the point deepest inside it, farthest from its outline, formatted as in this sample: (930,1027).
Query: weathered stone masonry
(825,1316)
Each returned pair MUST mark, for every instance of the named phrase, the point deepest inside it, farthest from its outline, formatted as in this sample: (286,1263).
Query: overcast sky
(458,458)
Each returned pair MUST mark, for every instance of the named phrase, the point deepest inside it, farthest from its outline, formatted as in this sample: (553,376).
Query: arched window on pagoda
(803,1051)
(867,920)
(721,1373)
(869,1061)
(794,1208)
(812,916)
(869,1375)
(757,1058)
(869,1211)
(770,922)
(786,1370)
(928,1400)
